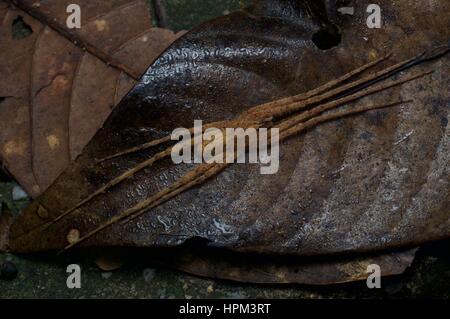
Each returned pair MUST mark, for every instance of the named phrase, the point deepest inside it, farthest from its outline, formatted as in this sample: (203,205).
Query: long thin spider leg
(110,184)
(153,143)
(295,107)
(186,182)
(429,55)
(137,148)
(215,168)
(301,127)
(350,98)
(327,86)
(260,108)
(206,171)
(317,91)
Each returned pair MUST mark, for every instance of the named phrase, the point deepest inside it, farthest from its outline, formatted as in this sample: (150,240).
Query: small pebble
(42,212)
(73,236)
(18,193)
(210,289)
(161,293)
(149,274)
(8,271)
(106,275)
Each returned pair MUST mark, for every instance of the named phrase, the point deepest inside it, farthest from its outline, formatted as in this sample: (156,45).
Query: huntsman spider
(292,115)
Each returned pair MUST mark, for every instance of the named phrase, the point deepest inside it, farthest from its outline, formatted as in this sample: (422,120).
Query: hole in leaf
(197,241)
(20,29)
(327,38)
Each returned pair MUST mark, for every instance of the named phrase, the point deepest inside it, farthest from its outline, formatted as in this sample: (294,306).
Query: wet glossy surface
(361,184)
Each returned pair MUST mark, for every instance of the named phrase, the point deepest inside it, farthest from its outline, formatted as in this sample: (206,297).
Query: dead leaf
(262,269)
(6,219)
(350,186)
(56,94)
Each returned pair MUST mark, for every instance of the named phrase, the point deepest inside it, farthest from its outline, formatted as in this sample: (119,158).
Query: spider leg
(303,126)
(192,178)
(259,109)
(293,120)
(207,171)
(368,80)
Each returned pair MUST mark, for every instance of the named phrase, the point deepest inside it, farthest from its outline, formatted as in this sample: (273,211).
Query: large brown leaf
(254,268)
(58,93)
(355,185)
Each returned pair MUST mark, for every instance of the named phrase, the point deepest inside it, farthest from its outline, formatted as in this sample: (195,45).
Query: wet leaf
(355,185)
(58,85)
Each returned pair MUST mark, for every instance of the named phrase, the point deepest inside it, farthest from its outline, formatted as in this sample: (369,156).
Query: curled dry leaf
(56,91)
(362,184)
(252,268)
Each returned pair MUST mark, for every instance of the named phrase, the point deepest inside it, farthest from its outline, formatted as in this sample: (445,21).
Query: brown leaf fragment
(87,96)
(159,40)
(15,67)
(251,268)
(100,32)
(56,95)
(51,79)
